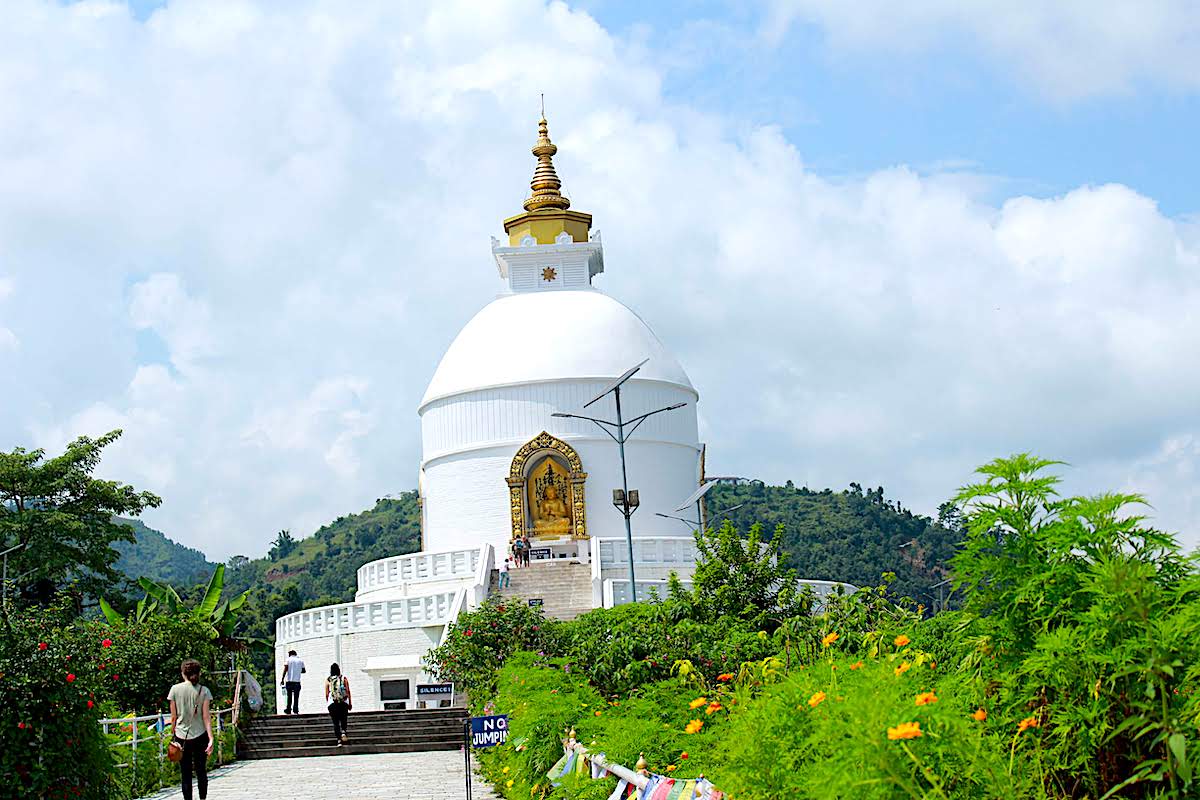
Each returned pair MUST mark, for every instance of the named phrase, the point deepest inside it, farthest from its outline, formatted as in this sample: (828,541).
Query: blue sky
(925,234)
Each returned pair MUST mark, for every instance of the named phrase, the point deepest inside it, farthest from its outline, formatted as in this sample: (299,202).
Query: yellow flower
(903,668)
(925,698)
(505,770)
(713,708)
(694,726)
(699,701)
(980,715)
(905,730)
(856,665)
(1028,722)
(816,699)
(670,767)
(901,640)
(509,783)
(829,639)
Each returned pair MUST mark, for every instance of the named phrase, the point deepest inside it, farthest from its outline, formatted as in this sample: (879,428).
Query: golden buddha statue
(551,514)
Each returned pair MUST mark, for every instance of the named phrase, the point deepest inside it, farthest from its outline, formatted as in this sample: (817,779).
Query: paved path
(389,776)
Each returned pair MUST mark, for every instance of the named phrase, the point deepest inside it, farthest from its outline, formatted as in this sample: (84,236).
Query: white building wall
(351,651)
(470,440)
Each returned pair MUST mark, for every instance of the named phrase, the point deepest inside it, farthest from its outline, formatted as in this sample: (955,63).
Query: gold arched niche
(530,458)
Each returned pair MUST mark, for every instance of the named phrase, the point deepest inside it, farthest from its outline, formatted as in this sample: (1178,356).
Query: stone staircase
(293,736)
(565,589)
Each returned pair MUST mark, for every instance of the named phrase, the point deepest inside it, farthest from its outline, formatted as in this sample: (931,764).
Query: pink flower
(469,631)
(42,645)
(106,643)
(70,677)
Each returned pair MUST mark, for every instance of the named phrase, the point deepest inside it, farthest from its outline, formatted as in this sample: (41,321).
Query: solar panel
(695,496)
(628,374)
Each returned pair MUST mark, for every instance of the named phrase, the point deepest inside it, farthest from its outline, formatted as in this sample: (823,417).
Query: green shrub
(480,640)
(51,744)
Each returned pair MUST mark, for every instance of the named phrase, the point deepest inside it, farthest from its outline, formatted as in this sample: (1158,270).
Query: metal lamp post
(625,499)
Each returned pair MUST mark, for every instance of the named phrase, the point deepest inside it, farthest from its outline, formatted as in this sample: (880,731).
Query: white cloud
(1066,49)
(296,202)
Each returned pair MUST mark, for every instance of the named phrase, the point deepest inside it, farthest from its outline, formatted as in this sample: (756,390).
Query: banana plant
(221,617)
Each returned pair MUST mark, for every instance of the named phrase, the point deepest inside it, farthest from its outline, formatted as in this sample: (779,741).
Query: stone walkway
(395,776)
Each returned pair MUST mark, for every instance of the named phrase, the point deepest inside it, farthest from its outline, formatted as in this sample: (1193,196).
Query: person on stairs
(292,670)
(526,548)
(504,577)
(191,727)
(337,694)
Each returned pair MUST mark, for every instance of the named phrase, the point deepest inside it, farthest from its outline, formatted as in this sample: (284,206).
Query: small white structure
(496,465)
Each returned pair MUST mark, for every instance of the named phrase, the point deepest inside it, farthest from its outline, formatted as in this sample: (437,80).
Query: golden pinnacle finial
(545,184)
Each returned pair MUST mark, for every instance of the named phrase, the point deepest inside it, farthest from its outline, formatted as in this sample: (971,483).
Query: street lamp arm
(580,416)
(642,418)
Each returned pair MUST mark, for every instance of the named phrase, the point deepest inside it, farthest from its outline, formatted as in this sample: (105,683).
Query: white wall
(470,440)
(351,652)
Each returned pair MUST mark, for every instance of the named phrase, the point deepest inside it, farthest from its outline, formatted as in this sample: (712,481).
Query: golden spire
(547,214)
(545,183)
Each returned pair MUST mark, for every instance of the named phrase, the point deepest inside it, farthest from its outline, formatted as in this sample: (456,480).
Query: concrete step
(290,736)
(354,748)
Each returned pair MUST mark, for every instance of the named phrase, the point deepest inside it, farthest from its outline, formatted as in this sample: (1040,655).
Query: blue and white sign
(489,731)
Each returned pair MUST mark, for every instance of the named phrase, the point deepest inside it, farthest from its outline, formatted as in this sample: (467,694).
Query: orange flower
(903,668)
(980,715)
(713,708)
(905,730)
(856,665)
(816,699)
(925,698)
(670,767)
(829,639)
(901,640)
(725,676)
(1028,722)
(694,726)
(597,713)
(699,701)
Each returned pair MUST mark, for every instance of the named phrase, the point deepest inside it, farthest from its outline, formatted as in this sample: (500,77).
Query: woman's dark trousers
(338,711)
(195,759)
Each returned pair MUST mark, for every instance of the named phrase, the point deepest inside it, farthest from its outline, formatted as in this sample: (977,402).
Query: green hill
(155,556)
(853,535)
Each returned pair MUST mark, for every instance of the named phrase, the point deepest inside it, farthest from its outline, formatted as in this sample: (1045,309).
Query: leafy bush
(50,743)
(1069,672)
(480,640)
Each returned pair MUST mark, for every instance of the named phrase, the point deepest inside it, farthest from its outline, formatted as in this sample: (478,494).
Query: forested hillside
(155,556)
(852,535)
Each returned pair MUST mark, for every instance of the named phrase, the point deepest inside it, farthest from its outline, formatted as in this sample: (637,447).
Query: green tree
(284,544)
(64,519)
(743,578)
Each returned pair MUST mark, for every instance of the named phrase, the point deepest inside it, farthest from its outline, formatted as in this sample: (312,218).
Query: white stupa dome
(588,335)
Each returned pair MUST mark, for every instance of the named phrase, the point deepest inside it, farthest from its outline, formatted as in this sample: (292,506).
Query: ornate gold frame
(542,443)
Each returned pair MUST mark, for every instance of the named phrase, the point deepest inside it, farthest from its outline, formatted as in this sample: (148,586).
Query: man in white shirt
(292,671)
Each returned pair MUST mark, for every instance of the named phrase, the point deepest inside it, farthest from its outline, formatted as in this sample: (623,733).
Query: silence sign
(489,731)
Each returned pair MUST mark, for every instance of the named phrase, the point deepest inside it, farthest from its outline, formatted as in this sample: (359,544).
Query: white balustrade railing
(416,568)
(406,612)
(664,550)
(616,591)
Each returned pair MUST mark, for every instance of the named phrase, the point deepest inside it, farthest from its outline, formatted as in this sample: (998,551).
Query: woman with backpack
(337,694)
(191,727)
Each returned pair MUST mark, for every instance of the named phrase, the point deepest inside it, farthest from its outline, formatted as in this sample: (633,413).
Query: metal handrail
(160,735)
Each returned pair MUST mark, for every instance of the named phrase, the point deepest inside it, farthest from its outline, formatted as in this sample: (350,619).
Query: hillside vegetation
(159,558)
(853,536)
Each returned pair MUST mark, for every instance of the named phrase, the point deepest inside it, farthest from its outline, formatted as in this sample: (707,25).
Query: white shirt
(504,566)
(294,667)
